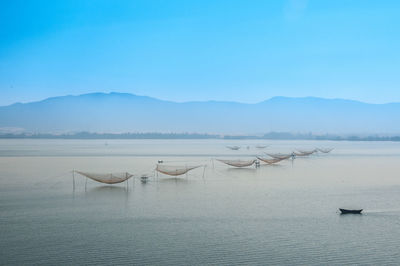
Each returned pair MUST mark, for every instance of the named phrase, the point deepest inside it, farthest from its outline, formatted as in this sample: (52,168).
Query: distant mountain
(122,112)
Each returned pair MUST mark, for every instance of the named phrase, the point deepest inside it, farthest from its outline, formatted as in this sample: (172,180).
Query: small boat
(346,211)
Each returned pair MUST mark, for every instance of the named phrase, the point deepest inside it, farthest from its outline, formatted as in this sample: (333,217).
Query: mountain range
(123,112)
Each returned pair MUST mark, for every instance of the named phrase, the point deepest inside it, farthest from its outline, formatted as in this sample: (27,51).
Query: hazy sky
(244,51)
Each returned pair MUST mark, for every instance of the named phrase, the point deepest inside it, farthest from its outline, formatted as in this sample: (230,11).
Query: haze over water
(284,214)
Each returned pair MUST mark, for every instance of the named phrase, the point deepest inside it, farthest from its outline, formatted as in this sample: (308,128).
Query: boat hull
(346,211)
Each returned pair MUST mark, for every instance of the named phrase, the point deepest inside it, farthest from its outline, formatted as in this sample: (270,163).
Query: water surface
(284,214)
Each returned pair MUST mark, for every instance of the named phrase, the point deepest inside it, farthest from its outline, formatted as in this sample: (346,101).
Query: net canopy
(261,146)
(107,178)
(238,163)
(270,161)
(304,153)
(279,155)
(175,170)
(235,148)
(325,150)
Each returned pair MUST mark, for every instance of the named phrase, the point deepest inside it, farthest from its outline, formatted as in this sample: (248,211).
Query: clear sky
(244,51)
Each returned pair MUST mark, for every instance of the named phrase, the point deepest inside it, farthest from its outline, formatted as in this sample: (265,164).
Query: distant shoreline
(268,136)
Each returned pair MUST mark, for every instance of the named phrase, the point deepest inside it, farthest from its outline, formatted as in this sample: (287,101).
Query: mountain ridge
(125,112)
(274,98)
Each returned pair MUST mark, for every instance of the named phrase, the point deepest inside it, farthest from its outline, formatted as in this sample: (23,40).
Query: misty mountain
(122,112)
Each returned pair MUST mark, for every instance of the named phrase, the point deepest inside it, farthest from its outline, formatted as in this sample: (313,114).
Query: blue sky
(244,51)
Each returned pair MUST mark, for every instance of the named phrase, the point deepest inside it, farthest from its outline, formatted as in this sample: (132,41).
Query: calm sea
(273,215)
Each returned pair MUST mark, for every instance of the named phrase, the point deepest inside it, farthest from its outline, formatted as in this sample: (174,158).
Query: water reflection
(242,170)
(351,214)
(271,165)
(241,216)
(108,190)
(180,180)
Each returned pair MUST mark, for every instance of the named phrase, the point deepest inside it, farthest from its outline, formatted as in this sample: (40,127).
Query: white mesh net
(175,170)
(235,148)
(107,178)
(270,161)
(304,153)
(325,150)
(238,163)
(279,155)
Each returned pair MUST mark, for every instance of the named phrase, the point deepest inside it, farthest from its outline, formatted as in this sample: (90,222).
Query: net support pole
(73,180)
(204,170)
(155,174)
(85,183)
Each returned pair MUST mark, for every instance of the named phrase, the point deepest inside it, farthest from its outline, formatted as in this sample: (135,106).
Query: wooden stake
(73,180)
